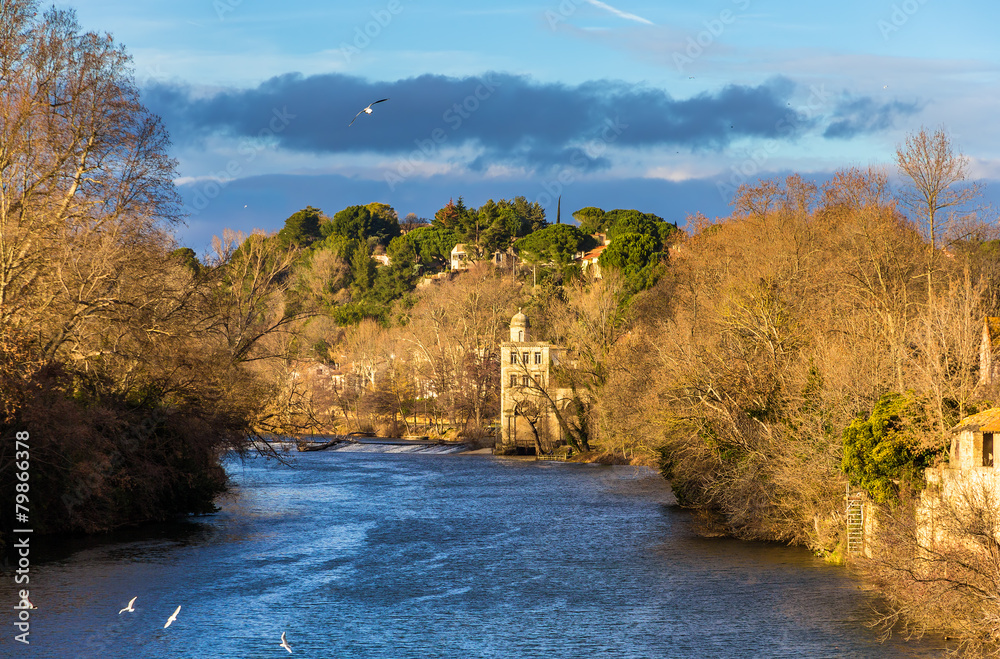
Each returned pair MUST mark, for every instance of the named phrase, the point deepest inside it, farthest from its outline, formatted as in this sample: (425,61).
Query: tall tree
(84,170)
(362,224)
(302,228)
(935,174)
(590,219)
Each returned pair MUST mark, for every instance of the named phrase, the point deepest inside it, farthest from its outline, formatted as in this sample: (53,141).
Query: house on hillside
(504,258)
(989,360)
(380,257)
(969,479)
(460,257)
(590,262)
(972,442)
(528,397)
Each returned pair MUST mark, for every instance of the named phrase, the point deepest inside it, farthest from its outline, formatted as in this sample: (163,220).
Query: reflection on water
(383,555)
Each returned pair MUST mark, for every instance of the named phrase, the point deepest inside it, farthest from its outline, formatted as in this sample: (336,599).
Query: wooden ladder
(855,526)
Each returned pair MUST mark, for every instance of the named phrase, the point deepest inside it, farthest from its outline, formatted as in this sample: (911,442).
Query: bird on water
(367,110)
(173,617)
(129,607)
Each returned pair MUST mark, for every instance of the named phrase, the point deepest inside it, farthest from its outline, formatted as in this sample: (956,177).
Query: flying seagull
(129,607)
(367,110)
(285,644)
(172,617)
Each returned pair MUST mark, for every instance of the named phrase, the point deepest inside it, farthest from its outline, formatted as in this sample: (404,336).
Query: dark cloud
(510,117)
(855,116)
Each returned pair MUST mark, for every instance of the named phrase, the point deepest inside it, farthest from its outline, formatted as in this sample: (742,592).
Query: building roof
(594,253)
(985,421)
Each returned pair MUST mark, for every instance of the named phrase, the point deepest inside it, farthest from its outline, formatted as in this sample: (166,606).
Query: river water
(362,555)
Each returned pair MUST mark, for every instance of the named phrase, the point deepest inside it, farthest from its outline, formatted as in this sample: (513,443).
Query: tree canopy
(590,219)
(881,452)
(302,228)
(557,243)
(362,223)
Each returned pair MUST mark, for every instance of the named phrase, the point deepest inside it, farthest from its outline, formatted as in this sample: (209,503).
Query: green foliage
(629,253)
(187,258)
(591,219)
(532,212)
(302,228)
(668,233)
(362,270)
(557,243)
(384,212)
(882,452)
(455,217)
(354,312)
(431,246)
(637,257)
(494,225)
(360,223)
(621,222)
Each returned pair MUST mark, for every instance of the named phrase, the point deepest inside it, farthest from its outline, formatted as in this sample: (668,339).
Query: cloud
(501,120)
(620,13)
(855,116)
(503,117)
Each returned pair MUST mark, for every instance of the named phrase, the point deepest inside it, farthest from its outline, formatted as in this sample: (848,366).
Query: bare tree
(937,560)
(84,174)
(455,333)
(935,173)
(254,273)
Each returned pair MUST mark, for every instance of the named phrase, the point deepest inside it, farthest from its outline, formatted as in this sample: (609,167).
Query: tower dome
(519,327)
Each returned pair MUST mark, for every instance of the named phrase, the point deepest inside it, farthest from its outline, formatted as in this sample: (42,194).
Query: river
(364,555)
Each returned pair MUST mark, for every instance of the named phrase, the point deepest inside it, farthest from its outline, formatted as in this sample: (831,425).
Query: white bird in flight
(172,617)
(129,607)
(367,110)
(285,644)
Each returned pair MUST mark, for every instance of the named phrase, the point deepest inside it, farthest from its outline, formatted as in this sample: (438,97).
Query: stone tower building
(528,400)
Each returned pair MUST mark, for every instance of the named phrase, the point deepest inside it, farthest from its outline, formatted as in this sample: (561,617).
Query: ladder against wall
(855,525)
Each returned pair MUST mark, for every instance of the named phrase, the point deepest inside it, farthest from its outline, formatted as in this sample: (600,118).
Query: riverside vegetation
(818,338)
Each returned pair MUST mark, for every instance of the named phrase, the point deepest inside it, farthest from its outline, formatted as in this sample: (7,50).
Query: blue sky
(661,106)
